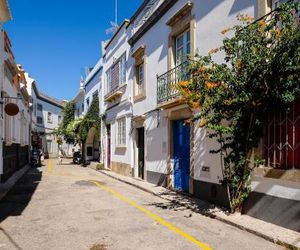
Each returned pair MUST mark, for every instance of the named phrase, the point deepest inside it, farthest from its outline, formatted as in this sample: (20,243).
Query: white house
(92,85)
(117,107)
(15,112)
(46,117)
(146,133)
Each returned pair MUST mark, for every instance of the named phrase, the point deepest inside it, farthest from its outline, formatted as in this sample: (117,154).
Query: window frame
(121,64)
(185,47)
(121,132)
(37,119)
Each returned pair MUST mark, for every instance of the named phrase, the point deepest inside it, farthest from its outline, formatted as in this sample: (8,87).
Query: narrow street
(70,207)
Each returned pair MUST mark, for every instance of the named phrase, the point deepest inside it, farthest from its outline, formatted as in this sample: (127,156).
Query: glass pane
(188,49)
(188,36)
(179,41)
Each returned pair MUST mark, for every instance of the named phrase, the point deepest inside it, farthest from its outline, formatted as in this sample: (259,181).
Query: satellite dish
(11,109)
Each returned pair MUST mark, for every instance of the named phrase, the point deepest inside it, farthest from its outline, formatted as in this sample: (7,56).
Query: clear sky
(55,40)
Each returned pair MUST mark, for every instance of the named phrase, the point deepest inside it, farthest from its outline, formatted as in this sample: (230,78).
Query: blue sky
(55,39)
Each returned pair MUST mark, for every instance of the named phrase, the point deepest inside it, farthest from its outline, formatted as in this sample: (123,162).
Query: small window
(39,120)
(121,132)
(59,119)
(140,78)
(95,95)
(39,107)
(49,117)
(116,74)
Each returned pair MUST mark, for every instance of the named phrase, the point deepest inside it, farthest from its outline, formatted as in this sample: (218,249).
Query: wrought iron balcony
(167,83)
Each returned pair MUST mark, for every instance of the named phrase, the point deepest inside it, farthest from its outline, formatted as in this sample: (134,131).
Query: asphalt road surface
(70,207)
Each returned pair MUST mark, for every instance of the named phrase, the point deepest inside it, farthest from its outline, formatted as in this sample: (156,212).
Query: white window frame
(140,79)
(121,132)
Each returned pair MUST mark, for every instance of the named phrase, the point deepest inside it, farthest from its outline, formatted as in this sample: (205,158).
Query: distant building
(92,85)
(46,117)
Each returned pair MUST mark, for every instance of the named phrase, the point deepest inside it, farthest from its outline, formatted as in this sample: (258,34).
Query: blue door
(181,155)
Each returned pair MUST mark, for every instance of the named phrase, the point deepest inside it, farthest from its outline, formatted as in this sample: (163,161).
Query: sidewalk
(279,235)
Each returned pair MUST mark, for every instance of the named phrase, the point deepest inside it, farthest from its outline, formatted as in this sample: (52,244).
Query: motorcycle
(35,158)
(77,157)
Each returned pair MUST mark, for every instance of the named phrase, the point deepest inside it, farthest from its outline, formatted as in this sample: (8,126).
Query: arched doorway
(92,146)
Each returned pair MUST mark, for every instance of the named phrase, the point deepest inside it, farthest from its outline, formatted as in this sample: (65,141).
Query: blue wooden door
(181,155)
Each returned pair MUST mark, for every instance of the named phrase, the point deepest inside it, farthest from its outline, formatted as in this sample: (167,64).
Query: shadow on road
(17,199)
(182,202)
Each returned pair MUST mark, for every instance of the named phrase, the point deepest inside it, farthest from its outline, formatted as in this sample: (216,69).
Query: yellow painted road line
(155,217)
(49,166)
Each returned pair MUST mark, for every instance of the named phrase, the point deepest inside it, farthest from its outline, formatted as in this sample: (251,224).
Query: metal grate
(167,84)
(282,138)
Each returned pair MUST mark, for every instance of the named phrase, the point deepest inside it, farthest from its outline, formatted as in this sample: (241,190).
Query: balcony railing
(167,84)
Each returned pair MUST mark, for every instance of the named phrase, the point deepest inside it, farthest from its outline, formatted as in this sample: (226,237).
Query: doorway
(181,155)
(108,145)
(141,152)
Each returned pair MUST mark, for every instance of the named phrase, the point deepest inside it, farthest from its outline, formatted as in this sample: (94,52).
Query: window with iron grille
(282,138)
(121,132)
(116,74)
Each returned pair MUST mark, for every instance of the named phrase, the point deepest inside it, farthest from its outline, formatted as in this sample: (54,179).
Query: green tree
(262,72)
(68,117)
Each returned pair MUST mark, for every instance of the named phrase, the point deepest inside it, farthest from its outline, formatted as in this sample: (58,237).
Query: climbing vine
(261,72)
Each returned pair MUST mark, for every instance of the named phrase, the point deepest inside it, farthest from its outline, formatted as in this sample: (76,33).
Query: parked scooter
(35,158)
(77,159)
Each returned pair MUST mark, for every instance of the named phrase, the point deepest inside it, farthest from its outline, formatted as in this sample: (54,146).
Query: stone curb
(208,214)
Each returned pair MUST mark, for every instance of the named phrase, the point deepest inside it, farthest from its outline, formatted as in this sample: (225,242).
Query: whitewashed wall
(115,50)
(211,18)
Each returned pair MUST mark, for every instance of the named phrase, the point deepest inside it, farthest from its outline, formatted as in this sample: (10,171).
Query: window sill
(139,97)
(121,146)
(115,94)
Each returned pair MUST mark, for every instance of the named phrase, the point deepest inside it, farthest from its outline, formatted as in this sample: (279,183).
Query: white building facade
(92,85)
(45,119)
(144,133)
(14,107)
(117,107)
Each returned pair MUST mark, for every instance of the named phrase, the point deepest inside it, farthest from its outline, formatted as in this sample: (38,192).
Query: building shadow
(17,199)
(280,211)
(185,202)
